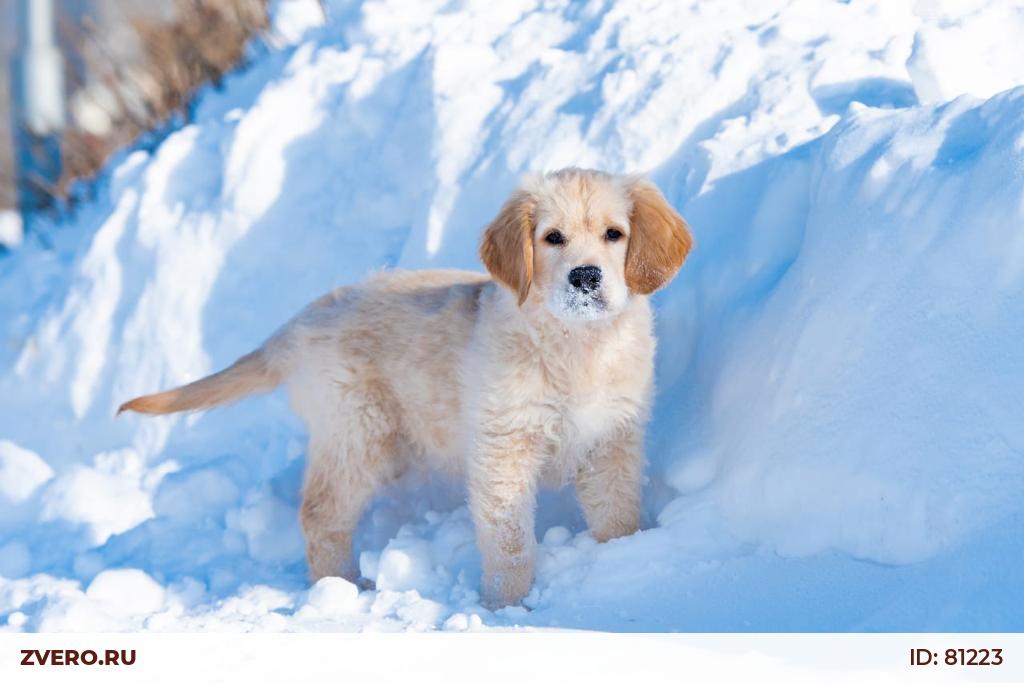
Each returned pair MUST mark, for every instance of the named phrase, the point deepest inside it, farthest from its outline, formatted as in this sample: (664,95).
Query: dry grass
(205,40)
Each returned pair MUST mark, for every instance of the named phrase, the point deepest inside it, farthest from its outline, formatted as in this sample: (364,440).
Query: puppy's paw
(506,587)
(612,531)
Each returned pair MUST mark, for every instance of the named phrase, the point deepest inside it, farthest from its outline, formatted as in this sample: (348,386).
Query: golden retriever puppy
(539,376)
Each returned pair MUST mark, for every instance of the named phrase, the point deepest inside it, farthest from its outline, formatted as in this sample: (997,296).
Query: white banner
(512,656)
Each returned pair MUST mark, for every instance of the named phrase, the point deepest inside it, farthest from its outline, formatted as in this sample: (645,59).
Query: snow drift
(836,441)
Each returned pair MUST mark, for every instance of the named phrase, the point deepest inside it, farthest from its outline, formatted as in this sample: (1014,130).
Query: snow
(11,230)
(941,68)
(126,592)
(836,443)
(21,473)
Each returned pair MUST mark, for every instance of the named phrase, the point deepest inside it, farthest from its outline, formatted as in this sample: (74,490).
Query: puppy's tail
(250,374)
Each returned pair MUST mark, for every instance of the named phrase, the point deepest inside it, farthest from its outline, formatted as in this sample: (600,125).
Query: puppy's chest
(592,414)
(585,407)
(578,421)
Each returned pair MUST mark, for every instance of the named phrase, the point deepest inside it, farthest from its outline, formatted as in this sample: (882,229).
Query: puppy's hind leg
(331,506)
(344,471)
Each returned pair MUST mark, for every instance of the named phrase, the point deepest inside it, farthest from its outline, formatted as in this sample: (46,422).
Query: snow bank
(881,360)
(835,444)
(962,48)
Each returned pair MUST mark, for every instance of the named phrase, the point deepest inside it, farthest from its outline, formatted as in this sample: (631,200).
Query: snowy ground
(837,442)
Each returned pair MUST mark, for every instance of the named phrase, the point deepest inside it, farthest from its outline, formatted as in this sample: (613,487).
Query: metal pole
(39,107)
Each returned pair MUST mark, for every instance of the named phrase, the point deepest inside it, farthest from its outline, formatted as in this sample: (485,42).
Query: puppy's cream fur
(514,382)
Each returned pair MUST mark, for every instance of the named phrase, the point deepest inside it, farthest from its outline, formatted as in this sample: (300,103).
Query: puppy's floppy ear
(507,246)
(659,239)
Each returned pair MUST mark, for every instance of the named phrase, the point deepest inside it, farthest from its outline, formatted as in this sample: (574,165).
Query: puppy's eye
(613,234)
(554,237)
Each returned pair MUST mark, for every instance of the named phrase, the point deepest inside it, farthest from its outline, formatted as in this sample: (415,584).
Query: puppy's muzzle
(585,278)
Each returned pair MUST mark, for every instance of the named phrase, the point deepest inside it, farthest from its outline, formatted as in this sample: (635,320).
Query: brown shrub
(204,40)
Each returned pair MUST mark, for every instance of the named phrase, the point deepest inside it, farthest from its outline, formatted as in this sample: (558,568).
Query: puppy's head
(581,242)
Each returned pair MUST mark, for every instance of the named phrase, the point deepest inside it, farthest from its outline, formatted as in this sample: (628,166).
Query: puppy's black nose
(586,278)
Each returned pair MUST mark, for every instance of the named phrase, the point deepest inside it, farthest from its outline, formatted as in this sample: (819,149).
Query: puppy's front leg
(608,485)
(502,500)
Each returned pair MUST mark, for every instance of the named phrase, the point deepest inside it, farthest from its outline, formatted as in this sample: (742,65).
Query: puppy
(538,375)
